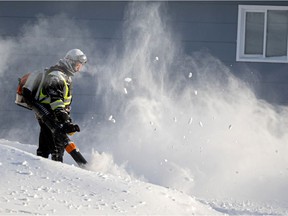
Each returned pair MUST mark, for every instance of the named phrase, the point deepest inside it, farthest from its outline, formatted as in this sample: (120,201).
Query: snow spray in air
(185,121)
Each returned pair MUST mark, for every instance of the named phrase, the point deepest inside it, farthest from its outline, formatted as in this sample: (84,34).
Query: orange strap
(69,148)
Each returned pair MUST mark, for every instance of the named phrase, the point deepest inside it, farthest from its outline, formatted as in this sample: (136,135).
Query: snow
(127,79)
(38,186)
(111,118)
(33,185)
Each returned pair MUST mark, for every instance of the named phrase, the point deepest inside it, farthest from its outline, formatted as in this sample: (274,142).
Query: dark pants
(50,143)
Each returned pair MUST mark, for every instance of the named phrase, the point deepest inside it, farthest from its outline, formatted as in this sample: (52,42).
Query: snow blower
(70,146)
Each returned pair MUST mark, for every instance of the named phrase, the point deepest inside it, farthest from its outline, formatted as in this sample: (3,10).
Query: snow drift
(37,186)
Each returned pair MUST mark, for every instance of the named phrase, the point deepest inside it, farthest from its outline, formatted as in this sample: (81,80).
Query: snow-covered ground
(38,186)
(33,185)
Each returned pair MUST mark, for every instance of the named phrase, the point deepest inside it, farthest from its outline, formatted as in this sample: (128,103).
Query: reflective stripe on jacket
(61,102)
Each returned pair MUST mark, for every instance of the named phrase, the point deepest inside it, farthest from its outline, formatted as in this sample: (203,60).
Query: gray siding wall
(212,26)
(202,25)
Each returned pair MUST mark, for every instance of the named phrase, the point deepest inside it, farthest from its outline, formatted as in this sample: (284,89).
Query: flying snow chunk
(190,75)
(111,119)
(190,121)
(125,91)
(200,124)
(127,79)
(25,163)
(196,92)
(156,59)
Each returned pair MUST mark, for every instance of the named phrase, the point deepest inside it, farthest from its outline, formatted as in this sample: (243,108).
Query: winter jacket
(56,92)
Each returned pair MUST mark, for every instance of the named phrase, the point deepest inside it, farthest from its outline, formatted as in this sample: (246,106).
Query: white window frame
(240,55)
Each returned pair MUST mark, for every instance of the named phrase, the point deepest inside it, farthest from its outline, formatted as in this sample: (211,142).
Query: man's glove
(62,115)
(70,128)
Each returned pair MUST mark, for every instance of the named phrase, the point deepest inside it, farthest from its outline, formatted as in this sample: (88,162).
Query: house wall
(202,25)
(212,26)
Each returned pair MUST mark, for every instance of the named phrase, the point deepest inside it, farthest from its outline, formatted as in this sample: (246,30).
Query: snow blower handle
(70,128)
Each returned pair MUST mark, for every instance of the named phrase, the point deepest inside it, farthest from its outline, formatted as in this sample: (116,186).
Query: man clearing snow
(53,92)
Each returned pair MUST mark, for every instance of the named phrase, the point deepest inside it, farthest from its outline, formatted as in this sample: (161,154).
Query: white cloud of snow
(233,148)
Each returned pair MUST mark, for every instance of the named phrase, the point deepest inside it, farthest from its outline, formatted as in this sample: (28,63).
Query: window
(262,33)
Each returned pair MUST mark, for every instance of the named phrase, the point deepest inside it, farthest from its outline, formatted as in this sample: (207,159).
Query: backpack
(31,81)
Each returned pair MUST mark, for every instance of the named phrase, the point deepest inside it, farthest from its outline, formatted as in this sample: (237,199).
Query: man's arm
(55,89)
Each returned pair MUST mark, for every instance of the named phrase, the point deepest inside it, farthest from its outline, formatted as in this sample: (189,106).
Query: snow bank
(33,185)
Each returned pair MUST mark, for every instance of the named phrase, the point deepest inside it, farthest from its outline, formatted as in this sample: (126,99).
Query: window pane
(254,33)
(277,27)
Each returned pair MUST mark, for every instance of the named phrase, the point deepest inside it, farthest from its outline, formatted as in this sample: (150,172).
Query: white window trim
(240,56)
